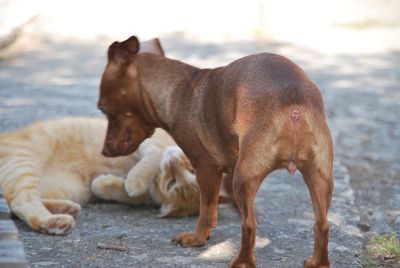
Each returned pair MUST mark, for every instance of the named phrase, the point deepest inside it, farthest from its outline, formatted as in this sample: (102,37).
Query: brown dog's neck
(161,78)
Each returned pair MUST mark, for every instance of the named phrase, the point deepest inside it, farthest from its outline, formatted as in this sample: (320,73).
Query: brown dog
(257,114)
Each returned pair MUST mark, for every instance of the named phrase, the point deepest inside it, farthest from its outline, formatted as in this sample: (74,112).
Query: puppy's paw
(137,187)
(189,239)
(107,186)
(58,206)
(249,262)
(311,263)
(57,224)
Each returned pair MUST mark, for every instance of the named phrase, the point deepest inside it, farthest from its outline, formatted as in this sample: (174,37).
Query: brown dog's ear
(121,50)
(170,211)
(152,46)
(120,55)
(112,49)
(131,44)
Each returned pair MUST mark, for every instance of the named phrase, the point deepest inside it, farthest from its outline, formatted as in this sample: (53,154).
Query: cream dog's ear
(171,211)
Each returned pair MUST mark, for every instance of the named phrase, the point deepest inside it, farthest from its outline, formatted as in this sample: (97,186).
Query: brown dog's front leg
(209,181)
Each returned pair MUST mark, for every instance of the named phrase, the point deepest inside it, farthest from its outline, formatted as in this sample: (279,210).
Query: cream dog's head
(176,186)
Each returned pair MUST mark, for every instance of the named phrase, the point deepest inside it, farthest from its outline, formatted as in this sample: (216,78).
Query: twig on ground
(112,247)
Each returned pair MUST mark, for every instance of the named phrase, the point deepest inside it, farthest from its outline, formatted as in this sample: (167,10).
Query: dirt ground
(362,99)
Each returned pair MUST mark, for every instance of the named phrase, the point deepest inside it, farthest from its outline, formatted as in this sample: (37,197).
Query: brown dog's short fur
(255,115)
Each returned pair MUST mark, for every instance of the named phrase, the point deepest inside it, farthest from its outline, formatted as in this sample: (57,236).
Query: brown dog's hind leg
(320,185)
(245,189)
(209,181)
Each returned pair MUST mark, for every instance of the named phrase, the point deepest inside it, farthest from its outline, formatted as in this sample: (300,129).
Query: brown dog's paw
(57,224)
(240,263)
(189,239)
(311,263)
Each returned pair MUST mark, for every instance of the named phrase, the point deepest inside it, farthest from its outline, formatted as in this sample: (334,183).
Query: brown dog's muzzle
(111,149)
(119,140)
(107,152)
(118,146)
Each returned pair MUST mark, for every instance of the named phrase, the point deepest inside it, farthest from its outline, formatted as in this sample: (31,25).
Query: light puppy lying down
(174,187)
(49,168)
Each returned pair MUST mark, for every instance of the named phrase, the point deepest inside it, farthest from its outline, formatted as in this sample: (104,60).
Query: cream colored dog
(49,169)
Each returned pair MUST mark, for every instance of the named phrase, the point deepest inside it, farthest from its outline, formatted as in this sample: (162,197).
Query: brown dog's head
(122,100)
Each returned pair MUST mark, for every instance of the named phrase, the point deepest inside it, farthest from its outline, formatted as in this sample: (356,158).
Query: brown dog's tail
(303,110)
(305,129)
(295,116)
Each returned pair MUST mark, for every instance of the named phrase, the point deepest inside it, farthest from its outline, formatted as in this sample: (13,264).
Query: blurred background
(52,54)
(357,26)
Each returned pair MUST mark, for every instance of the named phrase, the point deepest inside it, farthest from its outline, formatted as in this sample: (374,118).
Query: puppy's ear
(112,49)
(131,44)
(121,55)
(122,50)
(152,46)
(171,211)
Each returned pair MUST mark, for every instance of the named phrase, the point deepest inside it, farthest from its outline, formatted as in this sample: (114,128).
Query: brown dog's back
(266,97)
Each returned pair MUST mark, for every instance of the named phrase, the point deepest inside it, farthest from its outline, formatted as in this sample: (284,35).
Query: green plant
(368,263)
(382,251)
(384,245)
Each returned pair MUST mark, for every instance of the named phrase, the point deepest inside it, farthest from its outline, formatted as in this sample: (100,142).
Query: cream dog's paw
(101,185)
(136,187)
(58,206)
(57,224)
(107,187)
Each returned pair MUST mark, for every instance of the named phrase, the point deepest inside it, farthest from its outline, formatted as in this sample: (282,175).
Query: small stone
(279,251)
(122,235)
(341,249)
(364,226)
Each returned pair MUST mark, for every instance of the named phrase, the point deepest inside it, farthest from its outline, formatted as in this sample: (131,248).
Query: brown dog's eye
(192,171)
(171,183)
